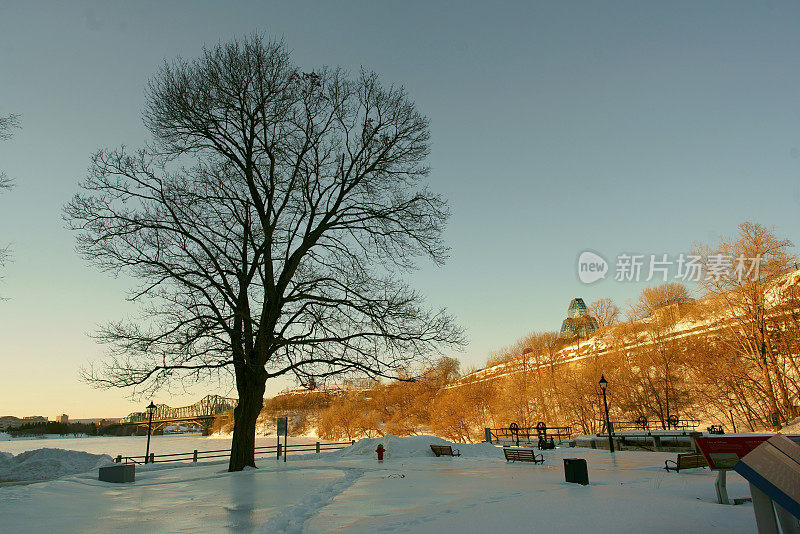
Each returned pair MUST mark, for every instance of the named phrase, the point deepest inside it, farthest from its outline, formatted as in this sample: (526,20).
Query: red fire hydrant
(380,450)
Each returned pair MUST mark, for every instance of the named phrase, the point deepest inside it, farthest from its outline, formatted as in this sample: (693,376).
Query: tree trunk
(771,400)
(764,364)
(245,416)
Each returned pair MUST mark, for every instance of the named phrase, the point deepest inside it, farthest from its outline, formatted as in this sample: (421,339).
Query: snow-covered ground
(412,491)
(52,456)
(135,445)
(792,427)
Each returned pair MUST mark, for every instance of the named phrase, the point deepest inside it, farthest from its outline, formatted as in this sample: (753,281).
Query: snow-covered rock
(47,464)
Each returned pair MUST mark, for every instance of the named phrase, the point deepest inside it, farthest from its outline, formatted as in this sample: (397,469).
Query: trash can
(575,471)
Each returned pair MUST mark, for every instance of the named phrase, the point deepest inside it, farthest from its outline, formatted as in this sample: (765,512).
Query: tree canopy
(269,222)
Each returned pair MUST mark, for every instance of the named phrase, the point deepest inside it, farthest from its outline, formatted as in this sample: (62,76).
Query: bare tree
(605,312)
(7,124)
(659,355)
(267,222)
(661,296)
(756,260)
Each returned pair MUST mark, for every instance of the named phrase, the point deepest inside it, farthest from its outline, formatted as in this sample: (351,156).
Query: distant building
(63,419)
(578,322)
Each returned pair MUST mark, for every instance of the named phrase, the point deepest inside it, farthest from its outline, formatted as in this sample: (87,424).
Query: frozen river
(135,445)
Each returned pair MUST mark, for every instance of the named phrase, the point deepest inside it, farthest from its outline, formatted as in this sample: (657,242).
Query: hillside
(695,319)
(719,360)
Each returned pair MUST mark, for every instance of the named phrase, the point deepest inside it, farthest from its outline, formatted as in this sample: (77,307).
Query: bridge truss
(200,414)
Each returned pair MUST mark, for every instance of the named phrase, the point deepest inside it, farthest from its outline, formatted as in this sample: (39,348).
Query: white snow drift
(47,464)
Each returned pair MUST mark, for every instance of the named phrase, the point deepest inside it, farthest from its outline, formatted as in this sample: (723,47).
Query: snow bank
(415,446)
(47,464)
(5,436)
(792,427)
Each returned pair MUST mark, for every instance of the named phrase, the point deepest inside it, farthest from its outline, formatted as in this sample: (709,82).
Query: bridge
(200,414)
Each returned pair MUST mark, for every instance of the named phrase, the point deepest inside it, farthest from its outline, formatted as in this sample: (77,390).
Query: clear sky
(557,127)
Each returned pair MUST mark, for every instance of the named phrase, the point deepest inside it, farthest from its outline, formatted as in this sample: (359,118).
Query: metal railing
(196,455)
(645,425)
(529,435)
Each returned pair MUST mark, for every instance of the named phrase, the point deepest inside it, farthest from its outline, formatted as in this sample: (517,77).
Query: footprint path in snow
(291,520)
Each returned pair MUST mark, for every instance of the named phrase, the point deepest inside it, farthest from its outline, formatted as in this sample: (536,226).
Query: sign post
(282,428)
(773,471)
(723,452)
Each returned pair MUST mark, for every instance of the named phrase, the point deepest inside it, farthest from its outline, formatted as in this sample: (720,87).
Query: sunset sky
(560,127)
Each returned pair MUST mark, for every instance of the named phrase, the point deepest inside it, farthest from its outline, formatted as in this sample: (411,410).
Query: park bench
(444,450)
(687,460)
(522,455)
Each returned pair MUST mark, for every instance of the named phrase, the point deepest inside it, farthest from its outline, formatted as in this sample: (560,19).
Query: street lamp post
(603,386)
(150,410)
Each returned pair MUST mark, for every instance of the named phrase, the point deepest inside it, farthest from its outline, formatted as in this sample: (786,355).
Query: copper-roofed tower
(578,322)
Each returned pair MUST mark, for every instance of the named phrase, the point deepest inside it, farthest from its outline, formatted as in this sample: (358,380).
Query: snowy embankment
(47,464)
(792,427)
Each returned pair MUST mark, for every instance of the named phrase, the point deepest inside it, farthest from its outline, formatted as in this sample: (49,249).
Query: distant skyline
(557,128)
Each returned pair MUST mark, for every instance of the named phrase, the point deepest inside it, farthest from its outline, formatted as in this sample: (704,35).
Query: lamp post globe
(150,410)
(603,385)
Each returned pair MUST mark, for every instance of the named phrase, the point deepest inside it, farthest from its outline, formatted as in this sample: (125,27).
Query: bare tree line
(729,358)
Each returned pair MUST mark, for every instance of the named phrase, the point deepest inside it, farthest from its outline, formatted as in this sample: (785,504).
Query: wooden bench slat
(687,460)
(444,450)
(522,455)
